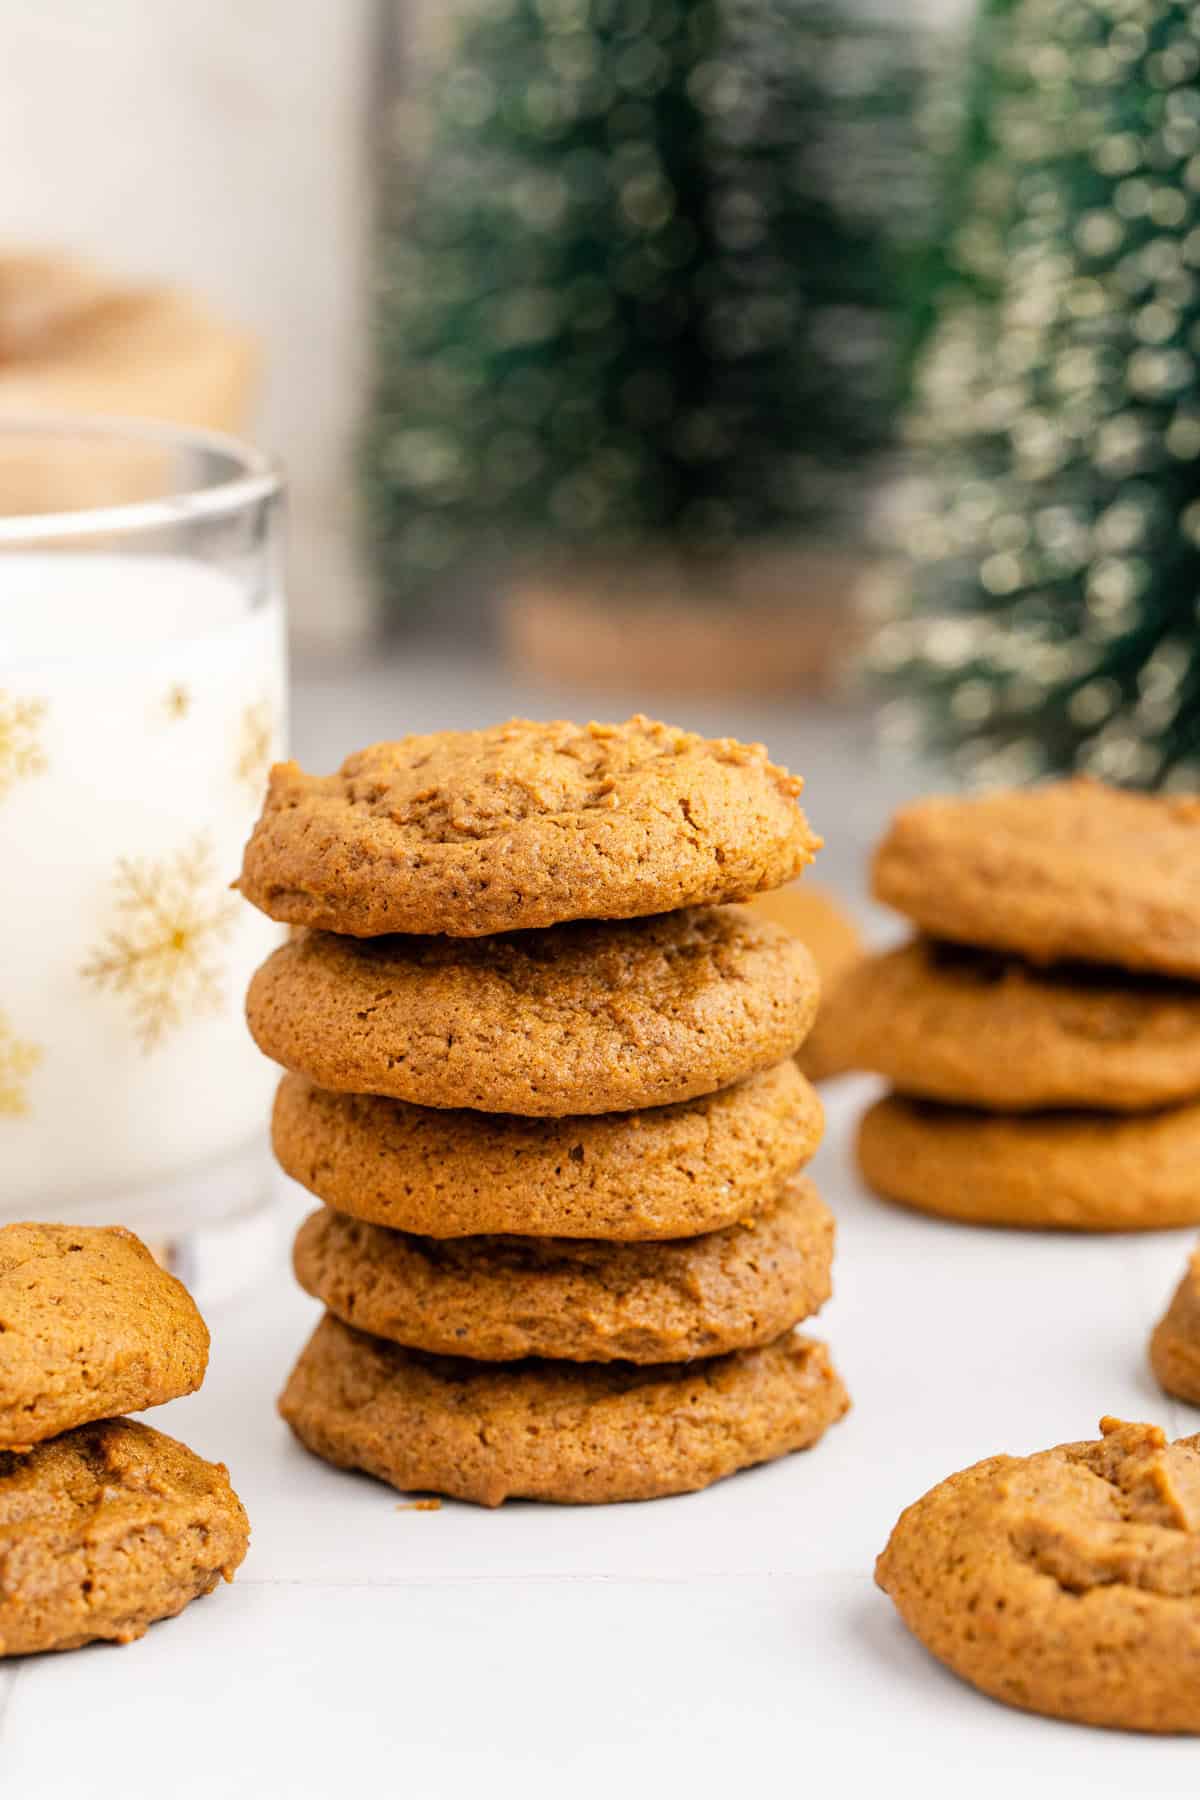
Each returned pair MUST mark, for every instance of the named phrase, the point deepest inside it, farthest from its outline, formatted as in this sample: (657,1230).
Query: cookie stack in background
(542,1077)
(1042,1036)
(105,1524)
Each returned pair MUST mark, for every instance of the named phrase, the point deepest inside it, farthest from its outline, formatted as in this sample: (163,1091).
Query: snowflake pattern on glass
(174,912)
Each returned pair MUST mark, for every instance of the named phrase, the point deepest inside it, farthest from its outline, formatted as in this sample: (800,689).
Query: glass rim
(258,476)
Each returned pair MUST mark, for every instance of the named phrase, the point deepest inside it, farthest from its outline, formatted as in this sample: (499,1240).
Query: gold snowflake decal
(178,702)
(173,914)
(18,1060)
(256,745)
(21,751)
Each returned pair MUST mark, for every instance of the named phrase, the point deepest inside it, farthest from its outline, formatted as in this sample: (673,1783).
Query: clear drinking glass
(142,698)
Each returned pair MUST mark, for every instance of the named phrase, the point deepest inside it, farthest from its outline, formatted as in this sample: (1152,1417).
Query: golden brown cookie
(502,1298)
(106,1529)
(1175,1343)
(524,824)
(945,1022)
(1073,1171)
(586,1018)
(836,944)
(667,1172)
(572,1432)
(90,1326)
(1065,1583)
(1072,870)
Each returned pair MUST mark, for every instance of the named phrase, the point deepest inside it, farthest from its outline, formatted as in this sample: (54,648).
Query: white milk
(140,706)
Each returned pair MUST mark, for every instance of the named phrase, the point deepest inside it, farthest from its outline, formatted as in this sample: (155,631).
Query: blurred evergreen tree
(641,289)
(1048,615)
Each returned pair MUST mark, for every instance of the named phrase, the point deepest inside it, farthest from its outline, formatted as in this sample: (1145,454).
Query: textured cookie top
(105,1529)
(571,1432)
(977,1028)
(1070,1171)
(524,824)
(502,1298)
(1066,1583)
(1074,869)
(666,1172)
(90,1326)
(583,1018)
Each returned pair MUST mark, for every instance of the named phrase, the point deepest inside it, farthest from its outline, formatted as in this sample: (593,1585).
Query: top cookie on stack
(467,833)
(519,1017)
(1044,1038)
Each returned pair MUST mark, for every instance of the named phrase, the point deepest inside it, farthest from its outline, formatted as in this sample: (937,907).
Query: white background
(727,1643)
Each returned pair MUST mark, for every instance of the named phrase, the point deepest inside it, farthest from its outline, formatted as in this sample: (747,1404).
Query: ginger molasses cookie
(978,1028)
(666,1172)
(502,1298)
(573,1432)
(90,1326)
(836,944)
(106,1529)
(1076,1171)
(1065,1583)
(584,1018)
(816,918)
(524,824)
(1175,1344)
(1071,870)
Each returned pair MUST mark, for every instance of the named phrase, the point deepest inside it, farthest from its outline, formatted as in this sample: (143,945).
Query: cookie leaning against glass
(541,1075)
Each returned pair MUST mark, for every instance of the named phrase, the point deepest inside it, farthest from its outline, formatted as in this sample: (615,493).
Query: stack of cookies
(105,1524)
(542,1077)
(1042,1035)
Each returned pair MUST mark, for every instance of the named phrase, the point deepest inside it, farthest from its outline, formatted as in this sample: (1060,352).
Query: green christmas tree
(1048,614)
(641,290)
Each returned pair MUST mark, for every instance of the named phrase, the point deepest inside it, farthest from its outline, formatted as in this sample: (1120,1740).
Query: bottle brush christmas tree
(1048,618)
(639,294)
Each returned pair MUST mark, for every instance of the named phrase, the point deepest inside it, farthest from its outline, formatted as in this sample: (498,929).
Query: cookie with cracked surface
(498,1299)
(577,1019)
(90,1326)
(1065,1583)
(522,825)
(977,1028)
(665,1172)
(836,944)
(105,1530)
(1175,1343)
(1071,1171)
(1074,871)
(571,1432)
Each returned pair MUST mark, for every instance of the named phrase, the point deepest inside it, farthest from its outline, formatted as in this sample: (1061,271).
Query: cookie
(587,1018)
(1175,1344)
(945,1022)
(106,1529)
(525,824)
(502,1298)
(1065,1583)
(667,1172)
(1075,1171)
(572,1432)
(90,1326)
(835,943)
(817,919)
(1074,870)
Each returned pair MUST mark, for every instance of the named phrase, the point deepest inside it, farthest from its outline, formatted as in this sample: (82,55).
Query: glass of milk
(142,699)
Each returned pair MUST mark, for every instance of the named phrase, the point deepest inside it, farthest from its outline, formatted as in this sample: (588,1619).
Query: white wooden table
(727,1642)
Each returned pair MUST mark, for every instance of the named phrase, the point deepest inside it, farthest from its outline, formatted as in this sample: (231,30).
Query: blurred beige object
(73,340)
(817,919)
(758,622)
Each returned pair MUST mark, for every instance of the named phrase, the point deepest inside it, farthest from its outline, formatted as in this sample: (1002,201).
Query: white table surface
(731,1641)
